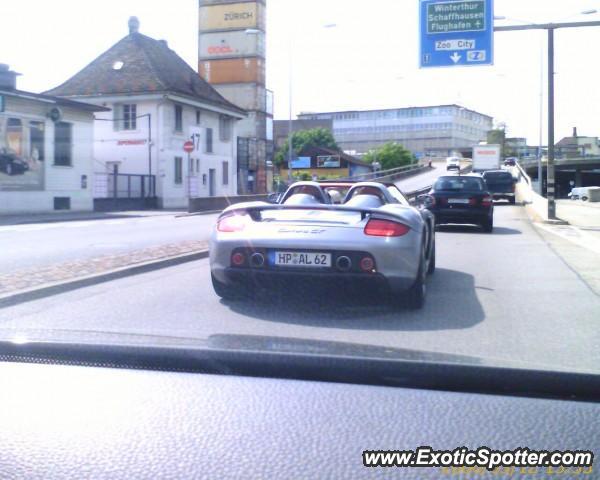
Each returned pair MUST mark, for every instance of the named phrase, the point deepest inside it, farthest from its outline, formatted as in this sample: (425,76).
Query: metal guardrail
(523,174)
(382,173)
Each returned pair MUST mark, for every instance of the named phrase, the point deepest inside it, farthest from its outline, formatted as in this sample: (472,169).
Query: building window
(197,165)
(62,144)
(225,173)
(129,117)
(197,117)
(191,166)
(224,128)
(36,136)
(178,118)
(125,116)
(178,170)
(209,140)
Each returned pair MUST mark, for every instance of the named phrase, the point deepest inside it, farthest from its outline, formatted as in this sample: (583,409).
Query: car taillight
(472,201)
(232,223)
(514,187)
(385,228)
(487,201)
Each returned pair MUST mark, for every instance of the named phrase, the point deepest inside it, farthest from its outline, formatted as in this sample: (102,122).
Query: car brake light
(487,201)
(385,228)
(472,201)
(232,223)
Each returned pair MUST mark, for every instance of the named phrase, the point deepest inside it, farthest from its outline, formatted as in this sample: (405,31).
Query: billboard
(231,16)
(233,70)
(301,162)
(22,154)
(231,44)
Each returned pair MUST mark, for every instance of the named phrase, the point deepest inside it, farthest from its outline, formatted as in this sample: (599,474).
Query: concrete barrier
(209,204)
(535,205)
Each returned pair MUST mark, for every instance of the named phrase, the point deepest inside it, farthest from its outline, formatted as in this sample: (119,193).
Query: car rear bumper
(304,281)
(456,215)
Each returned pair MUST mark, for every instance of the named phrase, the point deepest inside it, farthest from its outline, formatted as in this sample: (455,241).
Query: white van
(453,163)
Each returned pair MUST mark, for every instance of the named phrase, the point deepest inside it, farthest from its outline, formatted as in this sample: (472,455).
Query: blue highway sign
(456,33)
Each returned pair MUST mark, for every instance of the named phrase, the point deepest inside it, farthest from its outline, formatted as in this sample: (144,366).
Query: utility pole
(550,27)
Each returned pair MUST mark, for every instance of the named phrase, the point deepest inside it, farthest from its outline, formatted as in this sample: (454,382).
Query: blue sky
(369,60)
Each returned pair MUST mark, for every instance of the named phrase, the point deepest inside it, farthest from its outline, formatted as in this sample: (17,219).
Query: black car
(11,164)
(510,162)
(501,184)
(461,199)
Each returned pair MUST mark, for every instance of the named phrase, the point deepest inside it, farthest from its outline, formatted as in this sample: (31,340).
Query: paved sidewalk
(40,277)
(585,215)
(29,218)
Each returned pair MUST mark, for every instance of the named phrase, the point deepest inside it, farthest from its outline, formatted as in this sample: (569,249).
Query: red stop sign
(188,146)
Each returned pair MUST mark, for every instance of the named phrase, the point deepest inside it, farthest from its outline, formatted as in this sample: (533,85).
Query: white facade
(47,184)
(205,172)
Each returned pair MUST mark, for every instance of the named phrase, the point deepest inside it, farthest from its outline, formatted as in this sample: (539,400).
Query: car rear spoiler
(254,210)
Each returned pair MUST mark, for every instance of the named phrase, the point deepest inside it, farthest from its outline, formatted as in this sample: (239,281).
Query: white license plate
(458,200)
(302,259)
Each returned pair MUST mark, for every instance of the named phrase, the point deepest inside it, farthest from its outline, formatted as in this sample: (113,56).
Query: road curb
(22,296)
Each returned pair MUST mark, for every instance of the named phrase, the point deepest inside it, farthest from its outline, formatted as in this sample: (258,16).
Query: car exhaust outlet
(343,263)
(257,260)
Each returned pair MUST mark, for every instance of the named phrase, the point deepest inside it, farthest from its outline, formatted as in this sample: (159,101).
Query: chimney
(8,79)
(134,25)
(575,132)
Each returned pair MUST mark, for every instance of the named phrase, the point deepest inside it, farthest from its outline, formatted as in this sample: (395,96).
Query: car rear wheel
(415,297)
(488,225)
(431,265)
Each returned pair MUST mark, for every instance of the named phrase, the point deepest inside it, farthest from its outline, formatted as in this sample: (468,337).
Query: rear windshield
(498,176)
(459,183)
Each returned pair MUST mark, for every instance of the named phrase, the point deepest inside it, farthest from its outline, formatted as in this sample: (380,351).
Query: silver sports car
(357,234)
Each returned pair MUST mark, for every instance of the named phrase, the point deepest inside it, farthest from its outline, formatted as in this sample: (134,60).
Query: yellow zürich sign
(234,15)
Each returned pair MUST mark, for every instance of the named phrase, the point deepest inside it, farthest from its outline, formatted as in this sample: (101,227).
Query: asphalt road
(503,297)
(423,180)
(43,244)
(36,245)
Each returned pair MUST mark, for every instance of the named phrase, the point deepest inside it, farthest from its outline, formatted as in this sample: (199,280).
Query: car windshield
(146,148)
(459,183)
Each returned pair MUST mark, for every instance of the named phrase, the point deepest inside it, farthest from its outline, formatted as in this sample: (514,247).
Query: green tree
(390,155)
(497,136)
(315,137)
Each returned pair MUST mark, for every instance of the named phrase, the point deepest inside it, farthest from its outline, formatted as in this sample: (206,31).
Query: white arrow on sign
(455,57)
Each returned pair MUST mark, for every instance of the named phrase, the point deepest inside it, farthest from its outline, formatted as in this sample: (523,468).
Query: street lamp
(290,93)
(550,27)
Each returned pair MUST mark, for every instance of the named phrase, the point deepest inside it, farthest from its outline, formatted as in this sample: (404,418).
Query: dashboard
(105,421)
